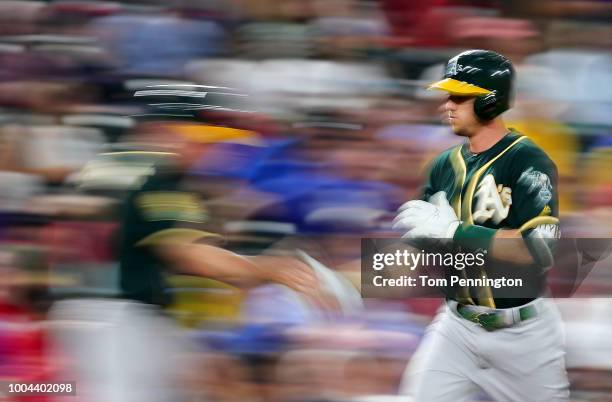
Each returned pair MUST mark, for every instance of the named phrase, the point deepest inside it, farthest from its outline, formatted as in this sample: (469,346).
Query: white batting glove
(433,219)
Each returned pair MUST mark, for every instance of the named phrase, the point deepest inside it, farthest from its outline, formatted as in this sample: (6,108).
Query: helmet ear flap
(488,107)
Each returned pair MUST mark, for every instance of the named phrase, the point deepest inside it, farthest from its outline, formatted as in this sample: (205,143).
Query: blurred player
(124,349)
(496,192)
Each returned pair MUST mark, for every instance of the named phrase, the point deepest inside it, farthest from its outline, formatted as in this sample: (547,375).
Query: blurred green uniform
(157,212)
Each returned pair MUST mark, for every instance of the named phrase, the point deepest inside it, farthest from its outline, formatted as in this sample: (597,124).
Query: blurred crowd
(316,126)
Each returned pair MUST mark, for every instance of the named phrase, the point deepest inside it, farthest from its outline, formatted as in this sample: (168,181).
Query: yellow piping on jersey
(485,296)
(539,220)
(469,195)
(460,169)
(458,165)
(175,236)
(545,211)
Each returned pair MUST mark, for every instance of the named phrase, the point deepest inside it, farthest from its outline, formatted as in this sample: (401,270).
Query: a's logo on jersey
(492,201)
(538,186)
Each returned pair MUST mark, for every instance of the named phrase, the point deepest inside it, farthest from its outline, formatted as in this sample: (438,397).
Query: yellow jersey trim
(539,220)
(460,169)
(175,236)
(469,195)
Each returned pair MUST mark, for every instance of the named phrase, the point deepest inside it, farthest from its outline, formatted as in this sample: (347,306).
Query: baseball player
(124,349)
(497,185)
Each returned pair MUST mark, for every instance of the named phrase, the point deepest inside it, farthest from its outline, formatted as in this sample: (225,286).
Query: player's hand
(288,271)
(297,275)
(434,219)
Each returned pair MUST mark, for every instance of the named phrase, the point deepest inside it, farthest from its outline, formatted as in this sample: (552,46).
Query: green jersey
(512,185)
(160,210)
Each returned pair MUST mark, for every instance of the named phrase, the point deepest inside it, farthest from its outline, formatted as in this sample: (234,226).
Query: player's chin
(458,130)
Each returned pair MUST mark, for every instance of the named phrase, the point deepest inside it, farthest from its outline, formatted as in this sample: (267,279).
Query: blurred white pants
(117,351)
(457,359)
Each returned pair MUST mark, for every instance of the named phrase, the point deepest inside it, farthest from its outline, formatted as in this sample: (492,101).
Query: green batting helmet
(482,73)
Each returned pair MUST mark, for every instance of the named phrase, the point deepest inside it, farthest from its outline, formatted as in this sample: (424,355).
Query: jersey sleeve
(535,209)
(534,190)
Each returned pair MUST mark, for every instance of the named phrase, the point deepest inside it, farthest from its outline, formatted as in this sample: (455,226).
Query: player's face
(459,112)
